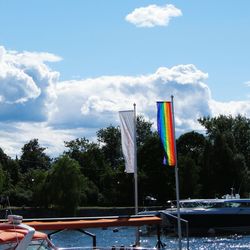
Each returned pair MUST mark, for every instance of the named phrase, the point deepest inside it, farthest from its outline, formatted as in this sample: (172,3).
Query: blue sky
(68,67)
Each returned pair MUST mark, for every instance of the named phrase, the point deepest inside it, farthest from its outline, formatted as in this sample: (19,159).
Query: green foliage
(89,192)
(90,158)
(77,146)
(33,157)
(92,173)
(65,184)
(38,187)
(110,139)
(226,154)
(3,157)
(208,172)
(191,144)
(11,168)
(2,178)
(19,196)
(190,150)
(188,177)
(155,179)
(143,130)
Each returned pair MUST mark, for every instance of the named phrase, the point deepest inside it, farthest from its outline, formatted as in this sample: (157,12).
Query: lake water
(125,236)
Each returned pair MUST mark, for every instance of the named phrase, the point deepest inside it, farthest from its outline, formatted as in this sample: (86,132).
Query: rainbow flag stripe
(166,131)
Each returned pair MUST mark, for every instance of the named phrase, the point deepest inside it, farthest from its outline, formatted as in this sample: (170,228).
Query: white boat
(229,214)
(214,215)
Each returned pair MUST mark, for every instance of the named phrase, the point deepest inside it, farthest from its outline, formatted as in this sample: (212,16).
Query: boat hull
(210,222)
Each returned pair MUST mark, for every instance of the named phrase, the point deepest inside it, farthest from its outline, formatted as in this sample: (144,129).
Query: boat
(21,234)
(227,215)
(16,235)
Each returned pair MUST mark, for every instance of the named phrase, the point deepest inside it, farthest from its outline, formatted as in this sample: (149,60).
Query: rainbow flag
(166,131)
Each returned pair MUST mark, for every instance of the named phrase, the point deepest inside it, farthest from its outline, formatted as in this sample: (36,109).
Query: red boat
(19,235)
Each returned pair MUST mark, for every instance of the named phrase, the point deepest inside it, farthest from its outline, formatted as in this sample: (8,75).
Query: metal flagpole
(135,163)
(137,241)
(177,182)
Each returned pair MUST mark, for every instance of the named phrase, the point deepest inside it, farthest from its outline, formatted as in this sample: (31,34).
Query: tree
(90,193)
(33,157)
(2,178)
(89,156)
(190,148)
(77,147)
(143,130)
(37,178)
(189,174)
(192,144)
(110,139)
(241,131)
(65,184)
(236,132)
(155,179)
(3,157)
(11,167)
(229,140)
(207,171)
(114,181)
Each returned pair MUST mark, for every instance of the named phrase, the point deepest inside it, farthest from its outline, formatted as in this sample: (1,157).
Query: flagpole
(137,237)
(177,181)
(135,163)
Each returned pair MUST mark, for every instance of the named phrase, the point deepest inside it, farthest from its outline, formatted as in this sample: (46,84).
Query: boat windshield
(213,204)
(198,204)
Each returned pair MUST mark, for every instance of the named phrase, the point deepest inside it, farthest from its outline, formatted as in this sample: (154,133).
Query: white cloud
(247,83)
(230,108)
(15,85)
(34,104)
(153,15)
(14,135)
(94,103)
(24,83)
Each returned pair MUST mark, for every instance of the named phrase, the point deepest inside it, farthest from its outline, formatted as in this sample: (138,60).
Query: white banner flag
(128,137)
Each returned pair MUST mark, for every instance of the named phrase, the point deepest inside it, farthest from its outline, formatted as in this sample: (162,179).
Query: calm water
(125,236)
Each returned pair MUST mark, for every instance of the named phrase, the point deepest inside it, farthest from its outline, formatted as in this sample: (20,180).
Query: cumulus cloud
(232,108)
(35,104)
(13,136)
(25,81)
(94,103)
(153,15)
(247,83)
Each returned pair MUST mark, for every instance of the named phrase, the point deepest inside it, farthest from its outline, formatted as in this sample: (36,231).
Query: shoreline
(30,212)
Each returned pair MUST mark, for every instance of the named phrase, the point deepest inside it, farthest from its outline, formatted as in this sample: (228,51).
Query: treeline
(92,173)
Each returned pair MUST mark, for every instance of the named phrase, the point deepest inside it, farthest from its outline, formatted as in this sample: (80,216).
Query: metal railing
(182,220)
